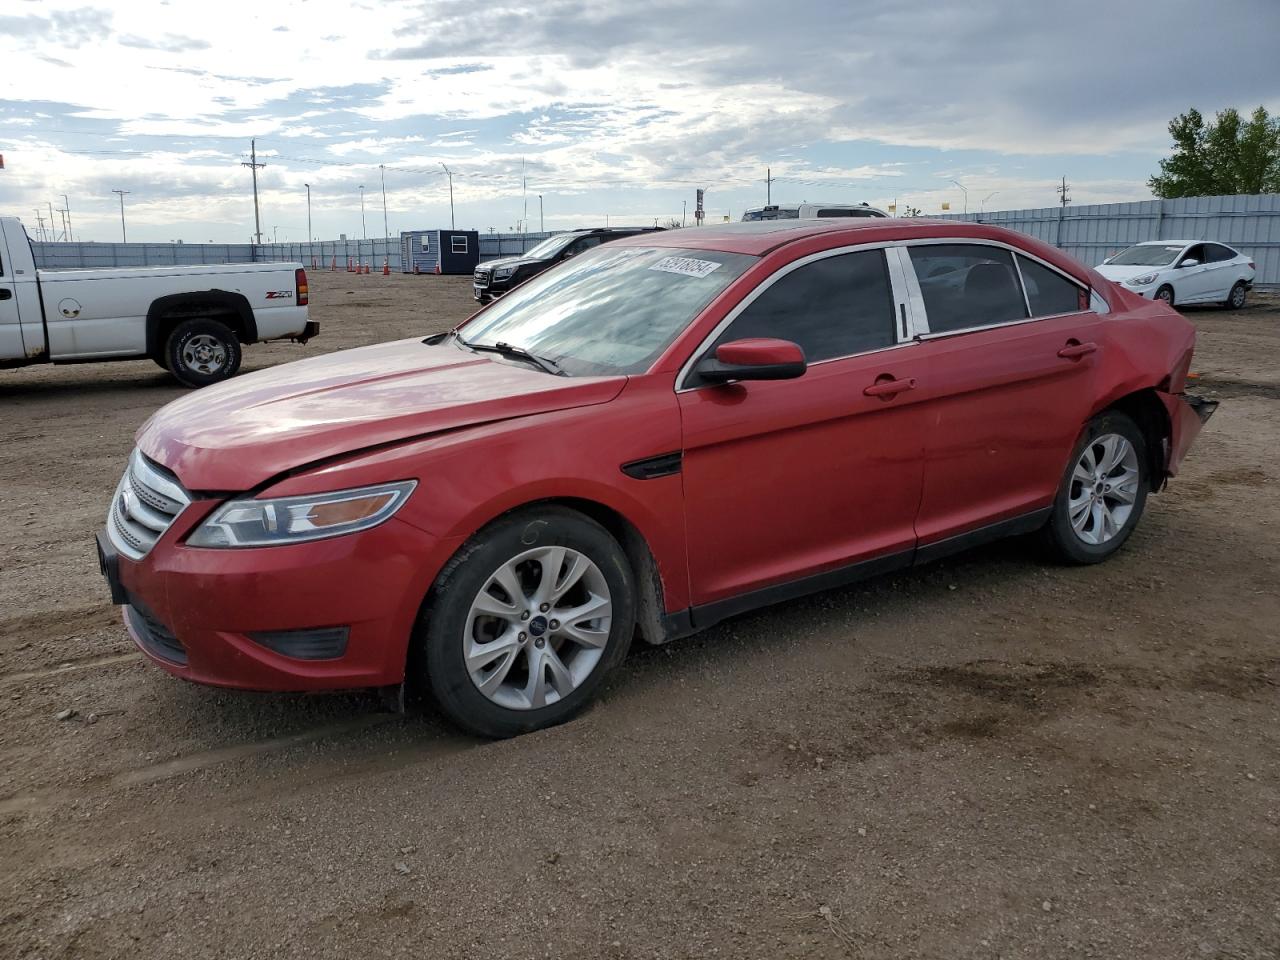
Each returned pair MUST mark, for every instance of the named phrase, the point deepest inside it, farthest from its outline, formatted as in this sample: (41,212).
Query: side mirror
(760,358)
(1190,262)
(1106,260)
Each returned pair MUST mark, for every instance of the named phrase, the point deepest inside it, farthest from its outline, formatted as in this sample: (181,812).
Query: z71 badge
(280,295)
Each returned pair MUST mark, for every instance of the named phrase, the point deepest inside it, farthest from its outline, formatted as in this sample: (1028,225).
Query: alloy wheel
(204,354)
(538,628)
(1104,487)
(1237,296)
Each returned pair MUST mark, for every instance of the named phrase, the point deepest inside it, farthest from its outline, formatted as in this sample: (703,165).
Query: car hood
(507,262)
(1113,272)
(241,433)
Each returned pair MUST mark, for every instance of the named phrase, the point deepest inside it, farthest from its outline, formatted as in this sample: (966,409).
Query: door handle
(1074,351)
(890,388)
(5,293)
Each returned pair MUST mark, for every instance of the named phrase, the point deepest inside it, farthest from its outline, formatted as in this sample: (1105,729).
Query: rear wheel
(202,351)
(525,622)
(1102,493)
(1165,293)
(1235,299)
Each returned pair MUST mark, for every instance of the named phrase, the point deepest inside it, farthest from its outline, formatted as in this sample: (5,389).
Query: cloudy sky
(609,108)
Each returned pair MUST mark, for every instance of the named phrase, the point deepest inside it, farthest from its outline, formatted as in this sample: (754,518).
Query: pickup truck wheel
(202,351)
(525,621)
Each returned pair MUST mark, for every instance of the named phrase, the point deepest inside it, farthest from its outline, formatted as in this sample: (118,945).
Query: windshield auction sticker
(686,266)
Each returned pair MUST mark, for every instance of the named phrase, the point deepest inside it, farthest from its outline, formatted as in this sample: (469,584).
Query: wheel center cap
(538,626)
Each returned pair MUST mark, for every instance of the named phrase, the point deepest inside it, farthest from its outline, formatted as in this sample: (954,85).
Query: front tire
(524,623)
(1235,300)
(1165,294)
(1103,491)
(202,351)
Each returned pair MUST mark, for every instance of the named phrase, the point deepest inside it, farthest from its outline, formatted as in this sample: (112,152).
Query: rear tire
(1235,300)
(202,351)
(1165,293)
(1103,491)
(497,659)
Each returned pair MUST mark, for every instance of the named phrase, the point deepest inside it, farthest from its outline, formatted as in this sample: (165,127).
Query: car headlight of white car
(251,522)
(1143,280)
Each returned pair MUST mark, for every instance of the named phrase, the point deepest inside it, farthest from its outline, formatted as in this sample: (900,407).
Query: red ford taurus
(658,434)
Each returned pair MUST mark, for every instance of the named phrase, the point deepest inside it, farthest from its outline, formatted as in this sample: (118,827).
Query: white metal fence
(1251,224)
(321,254)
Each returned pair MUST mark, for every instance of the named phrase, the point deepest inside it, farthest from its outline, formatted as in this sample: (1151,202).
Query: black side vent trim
(323,643)
(651,468)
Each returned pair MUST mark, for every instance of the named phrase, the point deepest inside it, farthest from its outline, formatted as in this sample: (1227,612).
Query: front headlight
(1143,280)
(265,523)
(504,273)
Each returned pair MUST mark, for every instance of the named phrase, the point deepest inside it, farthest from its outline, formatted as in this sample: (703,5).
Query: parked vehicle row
(191,320)
(662,432)
(1183,272)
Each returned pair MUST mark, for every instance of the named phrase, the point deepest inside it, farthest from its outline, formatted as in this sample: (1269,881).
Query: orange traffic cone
(416,271)
(386,267)
(437,268)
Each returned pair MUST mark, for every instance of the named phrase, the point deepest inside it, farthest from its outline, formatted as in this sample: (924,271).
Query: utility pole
(275,234)
(965,192)
(52,232)
(453,224)
(524,186)
(40,223)
(684,213)
(542,223)
(386,230)
(67,204)
(124,237)
(1064,197)
(363,226)
(310,236)
(768,186)
(253,165)
(66,225)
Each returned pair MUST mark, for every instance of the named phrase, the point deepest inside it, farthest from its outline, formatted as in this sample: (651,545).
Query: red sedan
(656,435)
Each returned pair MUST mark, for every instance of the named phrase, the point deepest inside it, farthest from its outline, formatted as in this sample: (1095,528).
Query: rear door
(792,478)
(1012,352)
(19,299)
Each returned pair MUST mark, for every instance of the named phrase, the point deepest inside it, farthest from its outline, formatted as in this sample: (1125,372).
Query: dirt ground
(986,758)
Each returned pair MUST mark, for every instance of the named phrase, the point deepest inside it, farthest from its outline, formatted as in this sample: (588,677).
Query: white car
(1183,271)
(810,211)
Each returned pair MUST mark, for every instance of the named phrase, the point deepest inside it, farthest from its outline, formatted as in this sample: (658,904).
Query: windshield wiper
(513,352)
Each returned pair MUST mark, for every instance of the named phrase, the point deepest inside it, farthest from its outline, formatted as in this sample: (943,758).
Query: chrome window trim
(1015,251)
(897,284)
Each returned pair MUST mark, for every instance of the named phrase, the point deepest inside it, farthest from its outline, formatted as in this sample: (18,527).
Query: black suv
(495,277)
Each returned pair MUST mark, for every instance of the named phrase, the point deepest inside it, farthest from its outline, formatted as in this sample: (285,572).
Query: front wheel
(1102,493)
(1235,299)
(526,620)
(202,351)
(1165,294)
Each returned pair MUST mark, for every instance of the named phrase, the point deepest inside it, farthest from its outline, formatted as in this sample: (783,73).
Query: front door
(792,478)
(1012,351)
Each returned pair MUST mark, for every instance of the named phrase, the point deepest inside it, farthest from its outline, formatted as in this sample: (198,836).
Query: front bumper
(1187,416)
(490,289)
(206,615)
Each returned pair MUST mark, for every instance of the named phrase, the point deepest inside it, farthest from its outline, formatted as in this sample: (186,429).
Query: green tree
(1229,155)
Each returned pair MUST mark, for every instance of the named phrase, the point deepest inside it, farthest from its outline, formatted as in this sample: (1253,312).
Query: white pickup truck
(191,320)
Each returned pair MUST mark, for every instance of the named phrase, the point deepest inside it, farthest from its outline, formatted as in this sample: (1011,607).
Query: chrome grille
(147,500)
(480,278)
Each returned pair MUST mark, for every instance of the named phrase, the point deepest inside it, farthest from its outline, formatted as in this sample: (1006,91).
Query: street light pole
(965,192)
(453,223)
(124,237)
(310,236)
(386,230)
(984,200)
(684,213)
(363,226)
(542,223)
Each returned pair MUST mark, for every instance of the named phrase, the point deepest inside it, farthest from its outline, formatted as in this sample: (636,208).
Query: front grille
(155,636)
(480,278)
(146,502)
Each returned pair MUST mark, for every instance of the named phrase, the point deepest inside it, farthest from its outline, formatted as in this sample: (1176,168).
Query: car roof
(1179,243)
(761,237)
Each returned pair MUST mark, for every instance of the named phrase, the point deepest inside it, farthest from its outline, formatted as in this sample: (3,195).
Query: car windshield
(1146,255)
(775,213)
(549,247)
(610,311)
